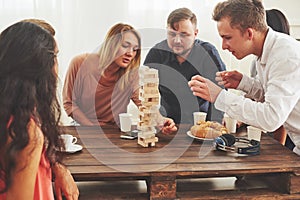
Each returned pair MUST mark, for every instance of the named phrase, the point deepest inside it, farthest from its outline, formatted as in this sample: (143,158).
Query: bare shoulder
(36,136)
(27,163)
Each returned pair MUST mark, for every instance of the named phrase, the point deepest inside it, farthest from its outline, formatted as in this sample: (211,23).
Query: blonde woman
(99,86)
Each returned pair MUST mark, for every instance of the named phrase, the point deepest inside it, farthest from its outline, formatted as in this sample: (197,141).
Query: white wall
(82,24)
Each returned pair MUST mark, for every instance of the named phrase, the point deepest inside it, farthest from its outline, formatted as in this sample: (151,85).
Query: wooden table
(175,157)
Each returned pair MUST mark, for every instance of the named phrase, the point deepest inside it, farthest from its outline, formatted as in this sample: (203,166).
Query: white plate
(74,148)
(198,138)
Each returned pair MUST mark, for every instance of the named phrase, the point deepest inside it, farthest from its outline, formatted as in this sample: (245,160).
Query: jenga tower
(149,96)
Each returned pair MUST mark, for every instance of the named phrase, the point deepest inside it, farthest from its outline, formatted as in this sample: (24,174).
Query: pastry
(208,129)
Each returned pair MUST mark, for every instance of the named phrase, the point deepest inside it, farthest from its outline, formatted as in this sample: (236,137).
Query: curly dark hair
(27,91)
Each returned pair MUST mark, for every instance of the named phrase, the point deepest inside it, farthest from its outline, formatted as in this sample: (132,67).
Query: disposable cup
(199,116)
(230,124)
(125,122)
(253,133)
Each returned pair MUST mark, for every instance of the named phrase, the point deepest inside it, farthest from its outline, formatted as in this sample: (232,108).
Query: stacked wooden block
(149,96)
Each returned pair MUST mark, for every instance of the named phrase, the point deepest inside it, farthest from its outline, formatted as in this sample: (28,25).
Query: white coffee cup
(199,116)
(230,124)
(253,133)
(69,140)
(125,122)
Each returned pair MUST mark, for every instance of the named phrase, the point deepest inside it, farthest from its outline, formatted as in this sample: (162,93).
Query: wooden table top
(105,156)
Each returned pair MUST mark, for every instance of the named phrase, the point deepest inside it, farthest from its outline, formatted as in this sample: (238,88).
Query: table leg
(161,187)
(295,183)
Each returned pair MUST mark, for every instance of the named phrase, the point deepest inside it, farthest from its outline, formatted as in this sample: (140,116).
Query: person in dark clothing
(178,59)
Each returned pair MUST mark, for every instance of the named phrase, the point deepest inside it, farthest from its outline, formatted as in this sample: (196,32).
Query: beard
(183,53)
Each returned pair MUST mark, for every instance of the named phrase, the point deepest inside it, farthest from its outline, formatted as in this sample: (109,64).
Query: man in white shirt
(276,89)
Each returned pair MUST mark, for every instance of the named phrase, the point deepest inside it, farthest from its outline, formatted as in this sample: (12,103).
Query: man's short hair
(242,13)
(179,15)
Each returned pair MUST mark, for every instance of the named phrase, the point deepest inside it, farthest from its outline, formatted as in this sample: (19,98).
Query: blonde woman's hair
(109,48)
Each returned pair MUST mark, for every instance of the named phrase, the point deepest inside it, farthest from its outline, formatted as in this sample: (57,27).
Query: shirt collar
(269,41)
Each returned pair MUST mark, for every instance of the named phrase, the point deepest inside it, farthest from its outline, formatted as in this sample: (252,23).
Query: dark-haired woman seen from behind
(29,131)
(277,21)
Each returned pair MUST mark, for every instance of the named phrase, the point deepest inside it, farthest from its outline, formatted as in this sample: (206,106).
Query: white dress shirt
(276,89)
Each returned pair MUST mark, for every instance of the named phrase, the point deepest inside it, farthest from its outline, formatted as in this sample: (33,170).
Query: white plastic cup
(69,140)
(125,122)
(199,116)
(134,111)
(230,124)
(253,133)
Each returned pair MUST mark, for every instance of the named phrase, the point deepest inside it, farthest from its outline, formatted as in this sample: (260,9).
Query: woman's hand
(64,183)
(168,126)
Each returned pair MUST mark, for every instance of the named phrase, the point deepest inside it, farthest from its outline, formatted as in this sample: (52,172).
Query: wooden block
(148,109)
(153,84)
(147,128)
(148,96)
(147,135)
(146,72)
(150,76)
(148,116)
(148,141)
(142,143)
(149,82)
(149,100)
(145,125)
(142,108)
(152,103)
(150,90)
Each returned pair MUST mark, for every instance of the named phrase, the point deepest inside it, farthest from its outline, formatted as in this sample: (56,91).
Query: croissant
(208,129)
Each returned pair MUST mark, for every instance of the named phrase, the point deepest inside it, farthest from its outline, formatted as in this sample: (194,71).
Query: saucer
(198,138)
(73,148)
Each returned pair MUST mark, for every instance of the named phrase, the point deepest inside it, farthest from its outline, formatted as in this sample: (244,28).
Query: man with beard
(178,58)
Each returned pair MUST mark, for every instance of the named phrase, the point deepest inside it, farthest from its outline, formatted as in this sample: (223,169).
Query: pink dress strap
(43,185)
